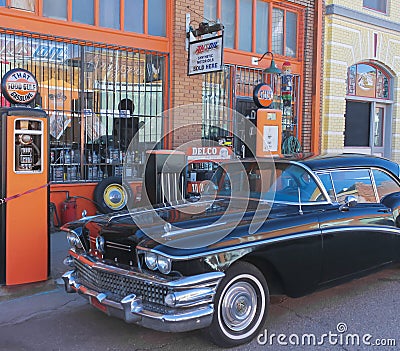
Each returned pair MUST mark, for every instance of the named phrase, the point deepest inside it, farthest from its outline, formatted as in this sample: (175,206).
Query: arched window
(366,80)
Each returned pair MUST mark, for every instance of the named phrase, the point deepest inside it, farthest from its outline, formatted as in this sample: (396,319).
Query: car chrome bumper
(193,301)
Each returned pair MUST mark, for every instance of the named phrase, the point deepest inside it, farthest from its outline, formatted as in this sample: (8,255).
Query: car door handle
(385,210)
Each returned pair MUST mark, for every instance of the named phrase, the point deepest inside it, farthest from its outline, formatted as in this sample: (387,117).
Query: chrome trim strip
(392,230)
(233,248)
(200,279)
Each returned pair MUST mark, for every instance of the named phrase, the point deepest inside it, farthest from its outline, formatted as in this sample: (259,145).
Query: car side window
(355,182)
(294,182)
(384,183)
(326,180)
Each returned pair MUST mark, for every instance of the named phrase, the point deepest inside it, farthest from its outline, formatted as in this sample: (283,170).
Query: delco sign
(263,95)
(19,86)
(209,153)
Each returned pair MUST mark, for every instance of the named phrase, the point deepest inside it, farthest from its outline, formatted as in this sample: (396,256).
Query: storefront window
(378,5)
(157,17)
(83,11)
(28,5)
(228,12)
(210,10)
(245,23)
(109,13)
(262,27)
(97,98)
(291,34)
(134,23)
(277,31)
(55,9)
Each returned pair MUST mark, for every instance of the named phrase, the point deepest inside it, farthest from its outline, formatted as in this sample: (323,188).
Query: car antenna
(300,209)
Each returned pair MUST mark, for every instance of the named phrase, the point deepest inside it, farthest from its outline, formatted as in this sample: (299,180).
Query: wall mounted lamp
(272,69)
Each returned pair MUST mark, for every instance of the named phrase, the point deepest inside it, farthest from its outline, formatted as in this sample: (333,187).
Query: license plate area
(94,302)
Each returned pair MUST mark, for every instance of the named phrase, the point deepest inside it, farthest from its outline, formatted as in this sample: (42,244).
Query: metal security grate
(120,285)
(97,96)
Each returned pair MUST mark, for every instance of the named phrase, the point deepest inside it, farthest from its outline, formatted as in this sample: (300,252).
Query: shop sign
(263,95)
(205,56)
(209,153)
(19,86)
(34,49)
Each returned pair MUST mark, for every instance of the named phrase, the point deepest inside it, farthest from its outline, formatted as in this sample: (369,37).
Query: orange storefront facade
(107,67)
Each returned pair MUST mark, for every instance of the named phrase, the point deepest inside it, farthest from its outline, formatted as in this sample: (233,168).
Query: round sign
(19,86)
(263,95)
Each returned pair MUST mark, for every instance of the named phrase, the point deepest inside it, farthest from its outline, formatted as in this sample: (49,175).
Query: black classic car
(262,227)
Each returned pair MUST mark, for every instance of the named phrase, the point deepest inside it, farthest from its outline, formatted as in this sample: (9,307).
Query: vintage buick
(282,227)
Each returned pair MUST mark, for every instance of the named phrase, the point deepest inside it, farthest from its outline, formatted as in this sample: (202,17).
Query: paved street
(54,320)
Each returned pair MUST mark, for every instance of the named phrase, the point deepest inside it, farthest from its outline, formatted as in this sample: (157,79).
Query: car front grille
(120,285)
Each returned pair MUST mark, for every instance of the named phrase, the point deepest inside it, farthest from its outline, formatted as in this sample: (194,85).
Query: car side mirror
(349,201)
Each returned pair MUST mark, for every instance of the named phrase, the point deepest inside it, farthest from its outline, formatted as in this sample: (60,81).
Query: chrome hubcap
(239,306)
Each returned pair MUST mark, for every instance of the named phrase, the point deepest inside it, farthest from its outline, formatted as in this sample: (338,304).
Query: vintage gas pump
(24,176)
(269,122)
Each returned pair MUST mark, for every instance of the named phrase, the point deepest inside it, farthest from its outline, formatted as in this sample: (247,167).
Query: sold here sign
(205,56)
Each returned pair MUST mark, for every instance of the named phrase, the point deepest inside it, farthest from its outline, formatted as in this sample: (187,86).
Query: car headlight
(164,264)
(74,240)
(151,260)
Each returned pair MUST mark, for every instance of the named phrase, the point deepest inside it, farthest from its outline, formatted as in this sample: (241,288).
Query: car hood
(182,225)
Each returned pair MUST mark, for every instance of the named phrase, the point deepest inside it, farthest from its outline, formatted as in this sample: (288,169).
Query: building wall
(349,39)
(185,90)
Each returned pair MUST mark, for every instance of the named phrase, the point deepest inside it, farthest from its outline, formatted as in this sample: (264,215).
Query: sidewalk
(58,251)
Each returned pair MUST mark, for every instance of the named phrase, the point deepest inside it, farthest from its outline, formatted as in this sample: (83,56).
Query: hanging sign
(205,56)
(263,95)
(19,86)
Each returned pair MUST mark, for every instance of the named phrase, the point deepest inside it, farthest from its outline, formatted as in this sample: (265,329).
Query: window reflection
(157,17)
(109,14)
(262,27)
(134,8)
(55,9)
(228,19)
(83,11)
(245,24)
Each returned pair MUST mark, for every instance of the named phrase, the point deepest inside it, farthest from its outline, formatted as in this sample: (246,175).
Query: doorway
(365,126)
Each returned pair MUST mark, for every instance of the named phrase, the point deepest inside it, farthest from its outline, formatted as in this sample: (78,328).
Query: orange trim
(122,14)
(316,97)
(243,58)
(96,12)
(20,20)
(69,10)
(146,17)
(39,9)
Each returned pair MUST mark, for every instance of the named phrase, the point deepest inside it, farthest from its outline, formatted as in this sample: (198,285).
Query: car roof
(349,160)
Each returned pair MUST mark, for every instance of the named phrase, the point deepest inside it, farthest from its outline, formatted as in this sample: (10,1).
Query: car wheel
(240,307)
(111,195)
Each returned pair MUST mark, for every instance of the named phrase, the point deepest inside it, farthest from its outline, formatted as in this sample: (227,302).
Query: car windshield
(283,182)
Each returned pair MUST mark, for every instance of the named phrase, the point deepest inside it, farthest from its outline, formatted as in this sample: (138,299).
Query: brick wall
(184,89)
(308,34)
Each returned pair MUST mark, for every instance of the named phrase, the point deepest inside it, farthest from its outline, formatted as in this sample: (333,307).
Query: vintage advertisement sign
(19,86)
(205,55)
(263,95)
(209,153)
